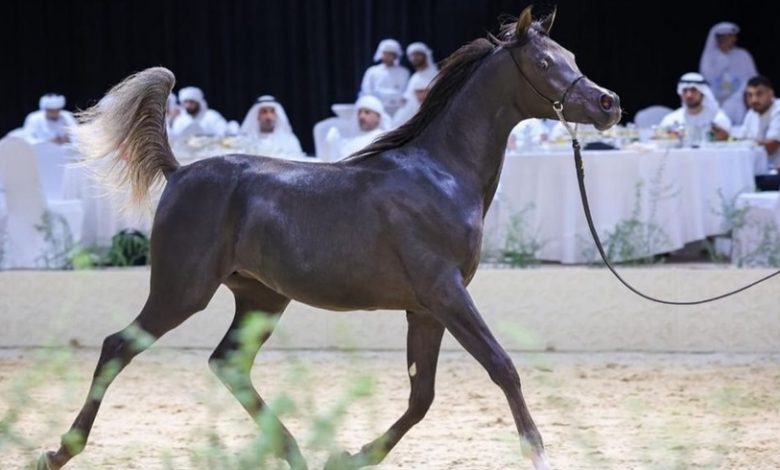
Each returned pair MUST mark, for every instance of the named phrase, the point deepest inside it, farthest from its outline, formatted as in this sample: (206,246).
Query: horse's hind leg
(423,341)
(233,358)
(176,293)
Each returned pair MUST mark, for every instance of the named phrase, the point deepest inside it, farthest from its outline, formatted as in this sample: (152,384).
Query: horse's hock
(553,308)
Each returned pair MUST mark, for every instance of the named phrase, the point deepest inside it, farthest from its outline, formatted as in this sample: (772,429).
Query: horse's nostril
(607,102)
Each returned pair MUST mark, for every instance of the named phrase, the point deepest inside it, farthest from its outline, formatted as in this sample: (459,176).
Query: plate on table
(557,146)
(665,143)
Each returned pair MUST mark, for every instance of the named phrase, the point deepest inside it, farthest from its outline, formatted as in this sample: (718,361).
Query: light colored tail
(123,138)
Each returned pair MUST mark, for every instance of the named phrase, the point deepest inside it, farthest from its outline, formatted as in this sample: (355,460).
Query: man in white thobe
(762,122)
(371,121)
(172,109)
(269,130)
(530,134)
(387,79)
(197,118)
(727,68)
(421,58)
(50,123)
(699,114)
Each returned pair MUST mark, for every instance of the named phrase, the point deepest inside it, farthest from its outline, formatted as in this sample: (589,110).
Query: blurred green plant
(521,247)
(638,239)
(58,241)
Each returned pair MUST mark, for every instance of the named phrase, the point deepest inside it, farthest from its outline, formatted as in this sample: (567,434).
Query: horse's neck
(471,136)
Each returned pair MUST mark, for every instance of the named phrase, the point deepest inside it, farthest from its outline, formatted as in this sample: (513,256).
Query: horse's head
(550,77)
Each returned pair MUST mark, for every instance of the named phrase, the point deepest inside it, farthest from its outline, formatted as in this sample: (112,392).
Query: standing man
(421,58)
(727,68)
(51,122)
(387,79)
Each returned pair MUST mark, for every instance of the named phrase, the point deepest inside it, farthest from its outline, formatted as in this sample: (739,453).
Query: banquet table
(106,212)
(665,198)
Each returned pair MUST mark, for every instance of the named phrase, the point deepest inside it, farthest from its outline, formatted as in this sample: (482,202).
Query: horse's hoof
(45,462)
(298,463)
(339,461)
(540,462)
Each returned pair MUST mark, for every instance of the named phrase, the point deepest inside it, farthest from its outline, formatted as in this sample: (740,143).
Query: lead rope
(558,108)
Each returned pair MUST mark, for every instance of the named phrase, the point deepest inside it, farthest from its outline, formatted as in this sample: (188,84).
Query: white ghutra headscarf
(51,101)
(424,49)
(697,81)
(726,72)
(372,103)
(193,93)
(389,45)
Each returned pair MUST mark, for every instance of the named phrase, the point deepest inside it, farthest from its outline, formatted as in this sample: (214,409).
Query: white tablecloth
(672,196)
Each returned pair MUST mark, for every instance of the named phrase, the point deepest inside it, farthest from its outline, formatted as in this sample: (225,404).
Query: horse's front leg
(452,305)
(423,341)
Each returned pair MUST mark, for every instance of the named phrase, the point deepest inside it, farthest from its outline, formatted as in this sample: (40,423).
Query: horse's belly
(339,289)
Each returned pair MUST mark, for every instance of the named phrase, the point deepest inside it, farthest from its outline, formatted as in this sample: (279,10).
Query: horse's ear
(547,22)
(523,23)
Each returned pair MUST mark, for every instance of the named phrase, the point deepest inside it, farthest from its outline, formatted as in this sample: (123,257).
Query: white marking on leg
(413,369)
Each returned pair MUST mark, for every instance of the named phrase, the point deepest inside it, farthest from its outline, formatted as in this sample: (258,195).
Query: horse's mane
(454,72)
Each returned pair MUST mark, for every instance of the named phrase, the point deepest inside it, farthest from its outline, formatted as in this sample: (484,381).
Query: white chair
(651,116)
(28,203)
(343,121)
(3,221)
(52,159)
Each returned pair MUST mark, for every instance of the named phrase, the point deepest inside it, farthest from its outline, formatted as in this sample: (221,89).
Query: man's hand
(770,145)
(719,133)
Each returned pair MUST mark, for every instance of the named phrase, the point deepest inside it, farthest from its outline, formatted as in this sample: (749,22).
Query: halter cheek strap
(557,105)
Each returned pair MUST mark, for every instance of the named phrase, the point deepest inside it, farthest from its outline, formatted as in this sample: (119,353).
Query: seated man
(762,121)
(699,114)
(386,80)
(371,121)
(267,124)
(172,109)
(50,123)
(197,117)
(414,96)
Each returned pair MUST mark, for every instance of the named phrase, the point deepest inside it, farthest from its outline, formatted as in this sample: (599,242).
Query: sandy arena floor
(617,411)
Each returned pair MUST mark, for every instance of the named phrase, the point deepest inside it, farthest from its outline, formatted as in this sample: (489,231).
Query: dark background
(312,53)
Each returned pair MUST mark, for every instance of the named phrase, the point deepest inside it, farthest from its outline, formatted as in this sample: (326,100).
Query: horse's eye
(544,64)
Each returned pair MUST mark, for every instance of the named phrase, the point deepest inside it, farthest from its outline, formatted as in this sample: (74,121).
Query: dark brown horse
(396,226)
